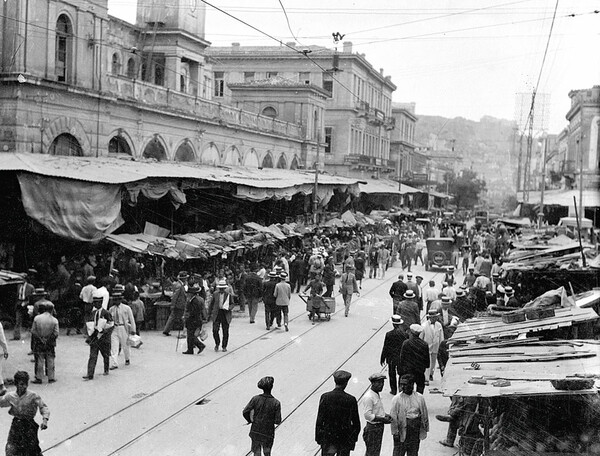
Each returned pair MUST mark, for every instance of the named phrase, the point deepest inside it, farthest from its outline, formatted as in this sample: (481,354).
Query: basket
(573,384)
(537,313)
(513,317)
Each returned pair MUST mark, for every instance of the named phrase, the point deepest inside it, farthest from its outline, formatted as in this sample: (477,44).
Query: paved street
(166,403)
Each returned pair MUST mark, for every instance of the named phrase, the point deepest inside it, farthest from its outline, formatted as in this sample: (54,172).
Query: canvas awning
(591,198)
(386,186)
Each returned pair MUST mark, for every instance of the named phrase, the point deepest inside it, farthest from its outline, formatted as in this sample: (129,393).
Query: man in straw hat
(283,294)
(414,356)
(219,312)
(375,415)
(433,334)
(338,421)
(390,353)
(408,309)
(270,301)
(264,413)
(192,317)
(348,286)
(124,325)
(99,340)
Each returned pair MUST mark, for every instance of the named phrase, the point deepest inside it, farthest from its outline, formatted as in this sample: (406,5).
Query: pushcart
(325,309)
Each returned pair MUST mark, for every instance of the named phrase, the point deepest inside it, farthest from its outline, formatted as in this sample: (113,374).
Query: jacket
(253,286)
(398,412)
(398,289)
(348,284)
(195,312)
(392,345)
(44,332)
(267,413)
(213,308)
(338,421)
(414,356)
(179,298)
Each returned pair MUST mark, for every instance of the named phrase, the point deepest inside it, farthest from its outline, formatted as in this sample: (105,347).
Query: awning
(591,198)
(374,186)
(530,366)
(10,278)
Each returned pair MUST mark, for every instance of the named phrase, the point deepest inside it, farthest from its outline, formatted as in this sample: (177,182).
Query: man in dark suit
(253,291)
(195,313)
(397,291)
(178,302)
(390,353)
(338,421)
(99,340)
(24,294)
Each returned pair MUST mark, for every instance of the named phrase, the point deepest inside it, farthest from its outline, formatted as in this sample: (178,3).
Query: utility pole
(581,208)
(544,152)
(316,187)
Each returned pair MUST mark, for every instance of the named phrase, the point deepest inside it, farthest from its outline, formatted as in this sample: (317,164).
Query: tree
(466,188)
(510,203)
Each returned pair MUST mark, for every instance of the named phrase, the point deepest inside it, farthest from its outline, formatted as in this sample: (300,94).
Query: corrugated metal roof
(108,170)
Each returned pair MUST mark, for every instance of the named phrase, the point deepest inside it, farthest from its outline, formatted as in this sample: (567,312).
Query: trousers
(44,361)
(221,322)
(410,446)
(118,339)
(373,436)
(101,345)
(252,308)
(175,316)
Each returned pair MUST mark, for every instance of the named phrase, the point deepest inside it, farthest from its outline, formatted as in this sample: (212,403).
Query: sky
(466,58)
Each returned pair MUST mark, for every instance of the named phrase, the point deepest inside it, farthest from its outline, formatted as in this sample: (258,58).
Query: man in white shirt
(103,291)
(124,324)
(430,294)
(87,296)
(410,420)
(375,415)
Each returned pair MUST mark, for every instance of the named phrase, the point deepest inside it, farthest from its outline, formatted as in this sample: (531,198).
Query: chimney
(381,71)
(347,47)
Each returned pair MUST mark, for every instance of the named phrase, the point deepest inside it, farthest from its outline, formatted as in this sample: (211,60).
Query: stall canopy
(100,181)
(9,277)
(374,186)
(591,198)
(523,368)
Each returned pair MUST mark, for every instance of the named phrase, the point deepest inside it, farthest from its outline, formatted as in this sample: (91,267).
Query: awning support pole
(579,232)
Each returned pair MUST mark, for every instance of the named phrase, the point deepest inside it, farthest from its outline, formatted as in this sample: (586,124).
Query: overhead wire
(287,19)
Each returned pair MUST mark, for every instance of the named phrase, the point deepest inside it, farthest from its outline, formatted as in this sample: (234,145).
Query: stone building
(411,164)
(358,110)
(76,81)
(583,151)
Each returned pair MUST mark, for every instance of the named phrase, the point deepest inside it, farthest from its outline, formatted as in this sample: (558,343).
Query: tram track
(224,383)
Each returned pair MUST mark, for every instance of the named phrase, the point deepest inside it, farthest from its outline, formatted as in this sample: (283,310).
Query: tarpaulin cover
(155,190)
(324,192)
(84,211)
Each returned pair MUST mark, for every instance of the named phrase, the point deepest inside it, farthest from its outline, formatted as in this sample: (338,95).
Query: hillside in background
(486,147)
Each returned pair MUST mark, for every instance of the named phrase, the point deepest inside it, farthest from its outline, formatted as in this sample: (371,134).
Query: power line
(287,19)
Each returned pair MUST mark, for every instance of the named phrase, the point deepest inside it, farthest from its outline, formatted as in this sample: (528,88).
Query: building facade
(583,150)
(358,110)
(411,163)
(76,81)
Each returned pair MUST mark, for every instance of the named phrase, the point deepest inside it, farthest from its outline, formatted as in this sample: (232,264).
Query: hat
(118,288)
(416,328)
(419,277)
(222,283)
(377,376)
(341,376)
(396,320)
(409,294)
(509,290)
(91,279)
(182,275)
(471,268)
(432,313)
(446,300)
(39,292)
(114,272)
(272,274)
(401,276)
(97,297)
(283,275)
(266,383)
(460,292)
(31,271)
(195,288)
(450,268)
(409,275)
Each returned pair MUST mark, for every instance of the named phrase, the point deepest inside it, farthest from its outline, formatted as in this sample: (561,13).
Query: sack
(89,325)
(133,340)
(203,334)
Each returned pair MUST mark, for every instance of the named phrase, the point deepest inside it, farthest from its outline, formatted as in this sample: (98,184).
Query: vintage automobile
(441,253)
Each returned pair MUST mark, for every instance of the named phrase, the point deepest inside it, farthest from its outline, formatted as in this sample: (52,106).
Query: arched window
(155,150)
(267,161)
(269,111)
(117,145)
(294,164)
(115,67)
(185,153)
(65,144)
(131,68)
(64,49)
(281,163)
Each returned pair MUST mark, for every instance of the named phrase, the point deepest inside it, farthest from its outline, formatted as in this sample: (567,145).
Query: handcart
(325,309)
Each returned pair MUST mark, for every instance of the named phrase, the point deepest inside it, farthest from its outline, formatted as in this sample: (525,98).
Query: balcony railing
(157,96)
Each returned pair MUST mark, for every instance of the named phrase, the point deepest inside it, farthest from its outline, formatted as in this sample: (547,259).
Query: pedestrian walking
(408,309)
(99,339)
(86,296)
(338,421)
(264,413)
(433,334)
(4,347)
(178,301)
(194,314)
(139,311)
(271,311)
(316,302)
(414,357)
(219,312)
(348,286)
(253,291)
(283,294)
(410,419)
(375,415)
(397,291)
(24,405)
(390,354)
(44,332)
(24,294)
(359,264)
(124,325)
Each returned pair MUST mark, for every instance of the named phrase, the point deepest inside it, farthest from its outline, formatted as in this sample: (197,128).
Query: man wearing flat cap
(390,353)
(178,301)
(264,412)
(375,415)
(338,421)
(414,356)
